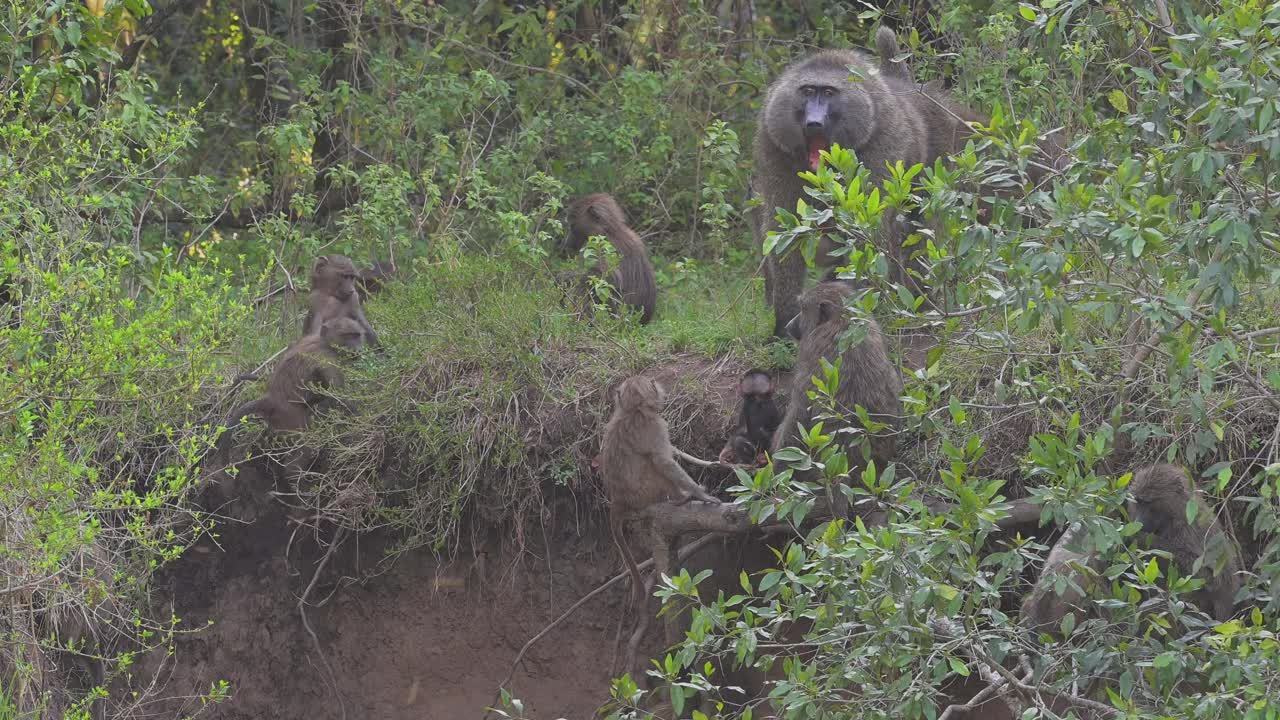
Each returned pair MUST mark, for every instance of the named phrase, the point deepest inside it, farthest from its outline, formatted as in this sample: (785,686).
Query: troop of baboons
(334,330)
(885,118)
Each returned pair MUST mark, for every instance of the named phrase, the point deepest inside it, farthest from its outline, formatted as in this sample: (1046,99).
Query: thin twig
(685,551)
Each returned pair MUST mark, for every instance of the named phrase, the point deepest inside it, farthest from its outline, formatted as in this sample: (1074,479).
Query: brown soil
(422,637)
(425,639)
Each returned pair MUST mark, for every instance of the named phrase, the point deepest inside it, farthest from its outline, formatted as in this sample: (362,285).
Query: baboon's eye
(806,91)
(828,92)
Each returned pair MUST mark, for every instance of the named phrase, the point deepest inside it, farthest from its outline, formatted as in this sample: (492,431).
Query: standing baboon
(638,465)
(600,214)
(1159,496)
(867,376)
(1043,608)
(809,107)
(333,295)
(313,362)
(884,117)
(757,420)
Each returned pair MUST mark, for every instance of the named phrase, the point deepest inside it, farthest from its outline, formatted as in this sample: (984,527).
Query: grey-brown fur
(879,118)
(1159,497)
(637,463)
(312,362)
(333,295)
(885,118)
(867,376)
(1043,609)
(373,278)
(600,214)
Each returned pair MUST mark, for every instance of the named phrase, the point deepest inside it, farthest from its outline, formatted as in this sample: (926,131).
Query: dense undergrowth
(169,170)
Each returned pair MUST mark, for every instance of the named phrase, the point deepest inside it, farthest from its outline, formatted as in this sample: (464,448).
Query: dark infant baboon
(867,376)
(757,420)
(312,363)
(373,278)
(600,214)
(333,295)
(637,463)
(1158,499)
(1043,608)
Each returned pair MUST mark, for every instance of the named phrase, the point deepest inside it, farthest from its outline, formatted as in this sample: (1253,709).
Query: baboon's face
(337,276)
(826,108)
(344,333)
(755,386)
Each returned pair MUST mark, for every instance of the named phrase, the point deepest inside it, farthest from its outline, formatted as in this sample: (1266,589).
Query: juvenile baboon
(313,362)
(867,376)
(1159,496)
(637,463)
(757,420)
(1043,609)
(333,295)
(374,277)
(600,214)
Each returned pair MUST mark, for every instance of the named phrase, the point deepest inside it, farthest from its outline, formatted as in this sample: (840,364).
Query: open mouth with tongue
(817,144)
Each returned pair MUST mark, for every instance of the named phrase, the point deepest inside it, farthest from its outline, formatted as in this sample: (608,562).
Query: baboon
(885,117)
(600,214)
(313,361)
(1043,609)
(333,295)
(1159,496)
(809,107)
(638,466)
(374,277)
(757,420)
(867,376)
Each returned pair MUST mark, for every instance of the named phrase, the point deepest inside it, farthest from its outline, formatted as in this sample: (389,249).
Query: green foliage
(158,200)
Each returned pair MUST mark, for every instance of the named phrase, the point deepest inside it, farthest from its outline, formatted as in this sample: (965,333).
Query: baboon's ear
(319,263)
(593,211)
(826,311)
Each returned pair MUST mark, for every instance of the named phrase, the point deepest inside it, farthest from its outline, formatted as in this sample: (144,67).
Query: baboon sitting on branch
(638,465)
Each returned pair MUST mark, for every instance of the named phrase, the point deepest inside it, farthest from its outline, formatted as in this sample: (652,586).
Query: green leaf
(1191,510)
(1118,100)
(959,667)
(1027,13)
(1151,571)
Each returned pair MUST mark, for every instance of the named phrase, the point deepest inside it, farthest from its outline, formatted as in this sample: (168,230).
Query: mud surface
(420,640)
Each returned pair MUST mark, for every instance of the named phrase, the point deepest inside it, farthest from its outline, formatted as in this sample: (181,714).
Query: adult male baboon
(333,295)
(757,419)
(1043,609)
(867,376)
(884,117)
(809,107)
(637,463)
(1159,498)
(313,362)
(600,214)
